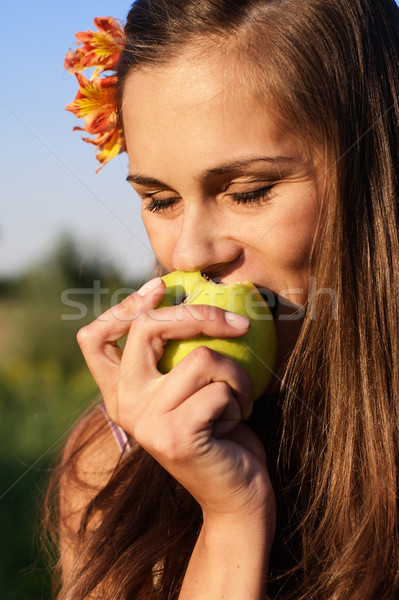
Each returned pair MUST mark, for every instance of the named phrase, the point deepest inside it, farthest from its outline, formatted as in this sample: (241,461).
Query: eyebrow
(216,171)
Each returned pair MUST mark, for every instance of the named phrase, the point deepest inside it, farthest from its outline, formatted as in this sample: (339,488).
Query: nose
(202,243)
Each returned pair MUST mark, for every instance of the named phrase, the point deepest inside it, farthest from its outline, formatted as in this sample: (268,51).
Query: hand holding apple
(255,351)
(189,420)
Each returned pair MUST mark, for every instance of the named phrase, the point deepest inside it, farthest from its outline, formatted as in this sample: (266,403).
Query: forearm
(230,561)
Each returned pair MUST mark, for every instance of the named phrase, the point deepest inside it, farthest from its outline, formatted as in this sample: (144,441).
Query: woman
(262,138)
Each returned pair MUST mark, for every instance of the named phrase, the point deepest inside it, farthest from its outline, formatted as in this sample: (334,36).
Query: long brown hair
(331,69)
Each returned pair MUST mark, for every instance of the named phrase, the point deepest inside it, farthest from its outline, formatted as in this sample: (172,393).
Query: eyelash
(240,198)
(254,196)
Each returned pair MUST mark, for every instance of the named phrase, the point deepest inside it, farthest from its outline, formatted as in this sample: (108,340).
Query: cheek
(286,248)
(297,232)
(288,245)
(292,252)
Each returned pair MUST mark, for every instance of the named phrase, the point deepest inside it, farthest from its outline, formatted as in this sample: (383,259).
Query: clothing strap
(120,435)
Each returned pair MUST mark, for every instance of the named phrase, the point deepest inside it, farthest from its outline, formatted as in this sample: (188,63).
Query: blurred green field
(44,387)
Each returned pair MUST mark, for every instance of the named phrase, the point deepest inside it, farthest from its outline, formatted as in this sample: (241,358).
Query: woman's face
(224,190)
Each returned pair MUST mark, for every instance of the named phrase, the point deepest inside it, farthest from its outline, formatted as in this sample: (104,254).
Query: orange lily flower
(110,145)
(95,101)
(98,49)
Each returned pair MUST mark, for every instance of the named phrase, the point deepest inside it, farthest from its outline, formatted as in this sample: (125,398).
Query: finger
(203,366)
(98,340)
(229,418)
(164,394)
(212,411)
(153,329)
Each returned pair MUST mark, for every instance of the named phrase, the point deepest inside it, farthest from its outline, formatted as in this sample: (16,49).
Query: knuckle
(176,449)
(163,445)
(84,335)
(222,389)
(202,356)
(167,446)
(128,309)
(203,312)
(128,303)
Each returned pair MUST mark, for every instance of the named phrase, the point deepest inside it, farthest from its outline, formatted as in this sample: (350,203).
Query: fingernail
(237,321)
(149,286)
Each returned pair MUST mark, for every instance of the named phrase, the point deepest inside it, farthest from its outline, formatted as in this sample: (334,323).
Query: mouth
(269,297)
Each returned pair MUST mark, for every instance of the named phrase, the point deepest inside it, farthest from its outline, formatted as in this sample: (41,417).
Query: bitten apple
(255,351)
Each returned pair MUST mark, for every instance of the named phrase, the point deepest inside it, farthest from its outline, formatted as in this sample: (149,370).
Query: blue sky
(49,185)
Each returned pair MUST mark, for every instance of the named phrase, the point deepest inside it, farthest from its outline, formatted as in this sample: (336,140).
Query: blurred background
(71,245)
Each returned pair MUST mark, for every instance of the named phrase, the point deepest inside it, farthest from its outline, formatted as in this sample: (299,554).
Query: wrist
(230,559)
(255,512)
(234,532)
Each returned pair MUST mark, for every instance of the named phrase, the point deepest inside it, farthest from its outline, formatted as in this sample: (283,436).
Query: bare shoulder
(89,460)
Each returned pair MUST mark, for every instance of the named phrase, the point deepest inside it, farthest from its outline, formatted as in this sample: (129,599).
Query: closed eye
(259,195)
(160,205)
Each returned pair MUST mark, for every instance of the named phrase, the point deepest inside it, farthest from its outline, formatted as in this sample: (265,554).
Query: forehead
(196,69)
(197,108)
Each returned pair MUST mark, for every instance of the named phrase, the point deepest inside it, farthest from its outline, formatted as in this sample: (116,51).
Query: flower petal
(95,101)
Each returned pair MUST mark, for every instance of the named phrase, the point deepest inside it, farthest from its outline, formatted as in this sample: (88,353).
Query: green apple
(255,351)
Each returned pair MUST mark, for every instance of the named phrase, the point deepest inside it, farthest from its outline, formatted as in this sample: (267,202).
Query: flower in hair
(95,101)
